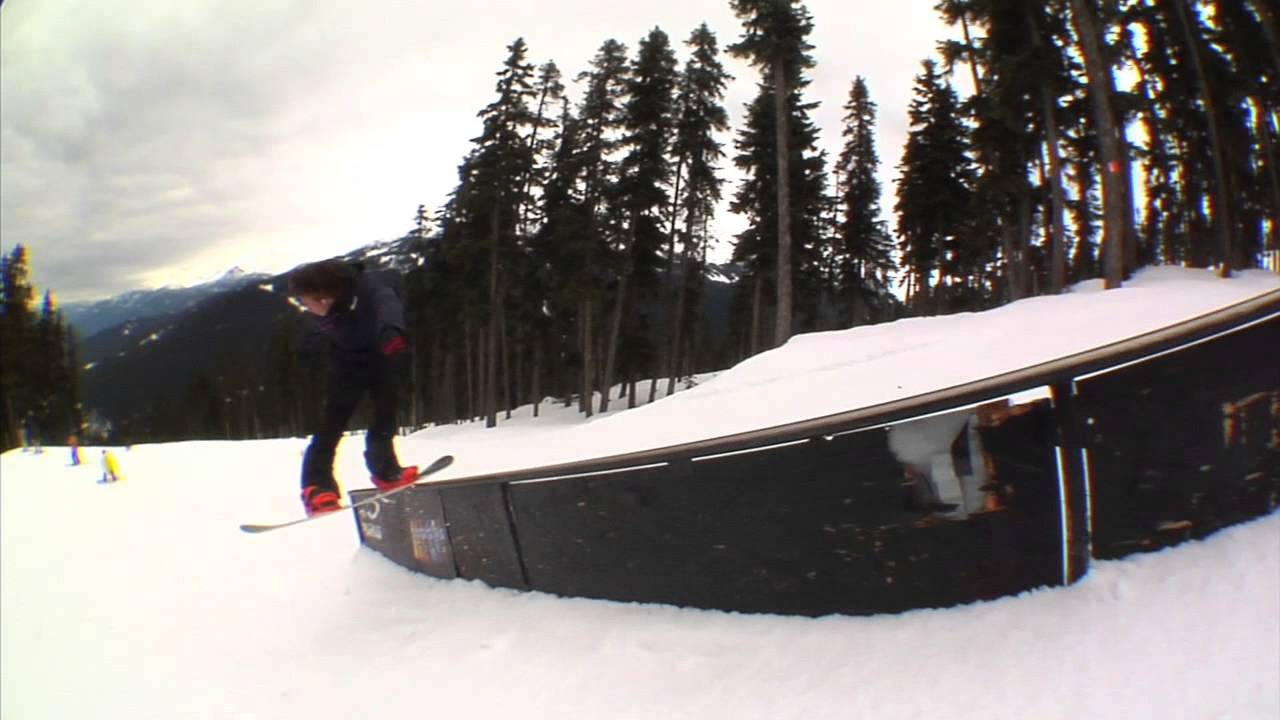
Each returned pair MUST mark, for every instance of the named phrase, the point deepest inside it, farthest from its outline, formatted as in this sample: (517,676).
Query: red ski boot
(407,477)
(318,500)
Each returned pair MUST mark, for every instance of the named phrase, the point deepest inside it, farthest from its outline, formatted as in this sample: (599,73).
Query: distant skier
(31,434)
(110,468)
(361,321)
(74,444)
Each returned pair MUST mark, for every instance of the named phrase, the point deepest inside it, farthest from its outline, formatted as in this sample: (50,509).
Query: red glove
(394,344)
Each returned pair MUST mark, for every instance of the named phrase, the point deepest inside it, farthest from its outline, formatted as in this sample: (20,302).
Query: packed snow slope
(142,599)
(819,374)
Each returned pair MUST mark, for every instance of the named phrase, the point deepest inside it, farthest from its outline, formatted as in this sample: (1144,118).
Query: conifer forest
(1052,142)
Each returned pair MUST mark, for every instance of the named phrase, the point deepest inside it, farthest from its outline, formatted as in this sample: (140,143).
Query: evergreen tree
(421,224)
(1252,51)
(556,259)
(17,324)
(934,193)
(69,378)
(643,197)
(864,251)
(701,118)
(53,376)
(1214,86)
(39,375)
(1052,73)
(529,304)
(775,39)
(508,157)
(1079,164)
(1178,158)
(549,91)
(1021,75)
(1249,31)
(1118,241)
(486,211)
(1165,223)
(586,251)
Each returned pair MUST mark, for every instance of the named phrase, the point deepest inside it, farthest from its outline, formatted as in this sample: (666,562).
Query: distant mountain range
(146,345)
(90,318)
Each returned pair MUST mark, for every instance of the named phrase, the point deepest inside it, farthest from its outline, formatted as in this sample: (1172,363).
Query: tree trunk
(1024,243)
(519,375)
(413,386)
(469,369)
(1222,194)
(1098,68)
(481,409)
(757,314)
(675,287)
(586,389)
(677,326)
(491,356)
(1266,130)
(615,332)
(782,328)
(433,401)
(1270,21)
(535,379)
(1008,242)
(619,310)
(506,360)
(522,212)
(1057,235)
(434,382)
(12,419)
(973,61)
(448,390)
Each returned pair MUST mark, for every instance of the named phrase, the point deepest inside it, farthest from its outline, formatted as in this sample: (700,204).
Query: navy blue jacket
(357,325)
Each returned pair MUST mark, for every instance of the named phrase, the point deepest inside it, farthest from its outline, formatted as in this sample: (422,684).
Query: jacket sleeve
(387,308)
(315,343)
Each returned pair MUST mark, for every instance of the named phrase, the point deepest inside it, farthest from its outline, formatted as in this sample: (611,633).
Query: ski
(434,467)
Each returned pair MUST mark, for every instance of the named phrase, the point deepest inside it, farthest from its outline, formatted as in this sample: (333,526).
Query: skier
(110,468)
(361,321)
(31,434)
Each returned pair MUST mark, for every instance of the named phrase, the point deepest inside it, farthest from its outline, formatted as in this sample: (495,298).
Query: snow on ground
(142,599)
(820,374)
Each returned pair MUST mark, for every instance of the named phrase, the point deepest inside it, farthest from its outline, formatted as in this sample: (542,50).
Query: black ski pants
(349,380)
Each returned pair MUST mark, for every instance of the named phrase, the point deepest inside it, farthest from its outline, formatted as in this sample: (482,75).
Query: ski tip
(440,463)
(254,529)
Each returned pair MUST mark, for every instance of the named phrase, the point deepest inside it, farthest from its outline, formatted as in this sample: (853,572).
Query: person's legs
(317,463)
(380,452)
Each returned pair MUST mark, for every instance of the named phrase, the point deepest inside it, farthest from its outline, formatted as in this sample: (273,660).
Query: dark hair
(327,279)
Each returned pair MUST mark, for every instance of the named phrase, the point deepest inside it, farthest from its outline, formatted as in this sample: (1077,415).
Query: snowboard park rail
(1129,447)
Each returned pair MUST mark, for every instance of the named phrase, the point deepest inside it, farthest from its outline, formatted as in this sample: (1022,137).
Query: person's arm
(315,344)
(388,309)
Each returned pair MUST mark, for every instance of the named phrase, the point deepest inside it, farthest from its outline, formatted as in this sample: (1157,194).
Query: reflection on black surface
(948,471)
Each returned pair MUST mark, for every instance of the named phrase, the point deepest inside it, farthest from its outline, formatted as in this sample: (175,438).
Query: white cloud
(153,142)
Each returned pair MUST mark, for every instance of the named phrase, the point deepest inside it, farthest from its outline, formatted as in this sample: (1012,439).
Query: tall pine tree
(39,374)
(17,338)
(934,195)
(648,118)
(775,39)
(586,250)
(864,251)
(697,149)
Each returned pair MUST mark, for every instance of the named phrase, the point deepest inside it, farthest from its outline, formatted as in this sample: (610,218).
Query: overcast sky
(154,142)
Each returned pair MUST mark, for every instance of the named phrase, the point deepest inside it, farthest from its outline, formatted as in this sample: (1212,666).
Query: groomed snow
(143,600)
